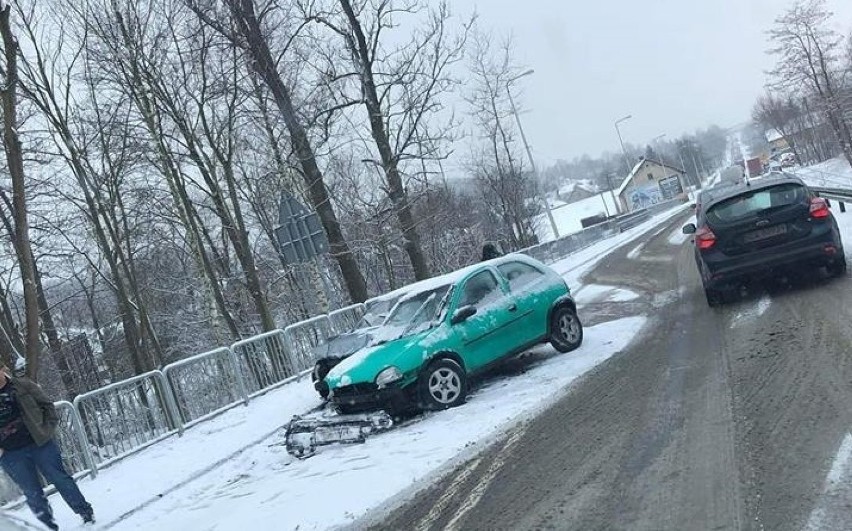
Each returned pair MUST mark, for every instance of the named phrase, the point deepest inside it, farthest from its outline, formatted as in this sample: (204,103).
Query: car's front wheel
(566,331)
(442,385)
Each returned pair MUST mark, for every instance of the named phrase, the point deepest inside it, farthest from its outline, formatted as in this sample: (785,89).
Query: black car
(760,229)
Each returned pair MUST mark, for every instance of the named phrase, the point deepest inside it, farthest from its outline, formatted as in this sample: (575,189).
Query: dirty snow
(596,293)
(578,264)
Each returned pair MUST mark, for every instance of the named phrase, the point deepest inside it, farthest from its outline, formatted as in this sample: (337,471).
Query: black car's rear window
(752,203)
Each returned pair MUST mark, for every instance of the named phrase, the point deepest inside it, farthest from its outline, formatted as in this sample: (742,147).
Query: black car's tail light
(819,208)
(704,238)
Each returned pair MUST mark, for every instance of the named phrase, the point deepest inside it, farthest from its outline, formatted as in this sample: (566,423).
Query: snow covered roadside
(833,173)
(264,488)
(595,293)
(252,482)
(578,264)
(148,476)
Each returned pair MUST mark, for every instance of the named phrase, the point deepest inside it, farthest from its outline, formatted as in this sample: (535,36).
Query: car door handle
(513,307)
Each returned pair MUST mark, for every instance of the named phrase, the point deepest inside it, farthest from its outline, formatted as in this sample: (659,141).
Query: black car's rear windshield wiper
(770,209)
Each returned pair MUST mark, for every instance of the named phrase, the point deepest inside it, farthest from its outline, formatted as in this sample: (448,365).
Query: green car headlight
(389,375)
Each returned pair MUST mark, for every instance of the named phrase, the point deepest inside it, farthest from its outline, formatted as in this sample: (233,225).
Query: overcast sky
(675,65)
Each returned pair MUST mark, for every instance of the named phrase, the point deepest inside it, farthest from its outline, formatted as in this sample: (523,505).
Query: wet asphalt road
(723,418)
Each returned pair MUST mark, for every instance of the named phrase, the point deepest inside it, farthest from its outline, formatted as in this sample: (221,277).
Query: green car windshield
(412,313)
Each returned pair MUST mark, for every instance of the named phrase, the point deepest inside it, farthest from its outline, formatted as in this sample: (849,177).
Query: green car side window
(480,290)
(519,274)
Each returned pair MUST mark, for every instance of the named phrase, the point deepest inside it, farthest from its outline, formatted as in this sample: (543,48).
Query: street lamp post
(529,151)
(626,158)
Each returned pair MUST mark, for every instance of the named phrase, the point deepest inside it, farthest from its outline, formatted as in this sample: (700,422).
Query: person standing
(28,422)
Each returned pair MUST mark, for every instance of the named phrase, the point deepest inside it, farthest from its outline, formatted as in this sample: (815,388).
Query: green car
(452,326)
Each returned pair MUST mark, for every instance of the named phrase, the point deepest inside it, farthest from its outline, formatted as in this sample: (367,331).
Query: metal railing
(263,361)
(302,338)
(71,438)
(346,319)
(560,248)
(206,384)
(124,417)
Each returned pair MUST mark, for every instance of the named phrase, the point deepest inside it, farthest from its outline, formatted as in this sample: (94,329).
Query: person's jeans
(22,466)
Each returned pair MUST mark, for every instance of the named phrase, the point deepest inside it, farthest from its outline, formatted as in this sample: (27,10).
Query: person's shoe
(88,517)
(51,524)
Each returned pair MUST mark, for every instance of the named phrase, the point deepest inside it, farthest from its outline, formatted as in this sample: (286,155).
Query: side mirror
(689,228)
(463,314)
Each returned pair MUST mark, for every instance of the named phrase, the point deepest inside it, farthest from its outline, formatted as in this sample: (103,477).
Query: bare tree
(808,58)
(400,88)
(252,37)
(15,162)
(497,165)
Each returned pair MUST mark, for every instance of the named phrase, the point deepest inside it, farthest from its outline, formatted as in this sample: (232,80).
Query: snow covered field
(568,216)
(833,173)
(232,472)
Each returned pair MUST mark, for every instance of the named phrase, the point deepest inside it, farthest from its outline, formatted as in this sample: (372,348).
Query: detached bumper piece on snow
(304,435)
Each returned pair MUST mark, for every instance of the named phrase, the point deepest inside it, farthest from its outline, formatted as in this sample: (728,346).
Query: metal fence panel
(346,319)
(264,361)
(304,336)
(124,417)
(205,384)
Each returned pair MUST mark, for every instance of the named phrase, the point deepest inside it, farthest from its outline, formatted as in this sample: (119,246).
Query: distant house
(650,182)
(777,141)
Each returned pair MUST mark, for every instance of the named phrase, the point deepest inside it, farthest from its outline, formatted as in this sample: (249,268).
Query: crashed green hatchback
(450,327)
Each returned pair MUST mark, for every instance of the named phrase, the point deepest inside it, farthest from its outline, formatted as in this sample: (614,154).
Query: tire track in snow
(444,501)
(479,490)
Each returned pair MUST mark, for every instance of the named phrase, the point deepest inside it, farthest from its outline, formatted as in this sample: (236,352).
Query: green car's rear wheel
(442,385)
(566,331)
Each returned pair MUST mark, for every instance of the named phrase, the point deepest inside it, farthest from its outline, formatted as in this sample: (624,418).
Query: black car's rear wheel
(442,385)
(714,297)
(838,267)
(566,331)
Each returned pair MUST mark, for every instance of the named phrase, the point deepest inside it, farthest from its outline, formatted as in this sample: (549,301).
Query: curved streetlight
(527,147)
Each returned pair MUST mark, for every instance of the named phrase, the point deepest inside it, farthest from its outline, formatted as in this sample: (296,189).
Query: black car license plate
(763,234)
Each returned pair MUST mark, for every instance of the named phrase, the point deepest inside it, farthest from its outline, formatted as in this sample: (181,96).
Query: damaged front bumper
(365,397)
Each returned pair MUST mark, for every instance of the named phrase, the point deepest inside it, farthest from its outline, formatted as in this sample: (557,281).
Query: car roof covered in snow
(452,277)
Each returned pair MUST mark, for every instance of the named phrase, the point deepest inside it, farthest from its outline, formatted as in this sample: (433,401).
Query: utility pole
(629,167)
(529,151)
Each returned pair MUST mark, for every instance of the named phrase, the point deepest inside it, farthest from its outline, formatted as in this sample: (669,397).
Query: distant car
(788,160)
(756,230)
(454,326)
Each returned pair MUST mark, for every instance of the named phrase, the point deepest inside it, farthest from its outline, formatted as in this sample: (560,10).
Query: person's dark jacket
(490,251)
(37,410)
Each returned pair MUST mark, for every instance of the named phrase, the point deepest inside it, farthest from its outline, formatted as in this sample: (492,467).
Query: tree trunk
(15,163)
(264,65)
(390,164)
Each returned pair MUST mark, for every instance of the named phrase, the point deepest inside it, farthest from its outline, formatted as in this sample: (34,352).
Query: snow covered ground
(233,473)
(568,216)
(833,173)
